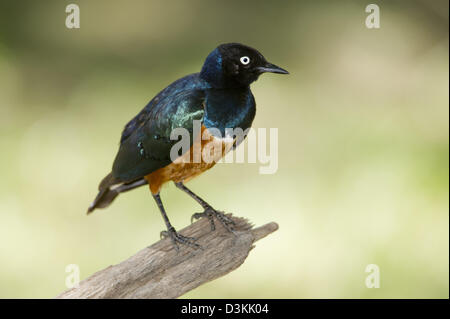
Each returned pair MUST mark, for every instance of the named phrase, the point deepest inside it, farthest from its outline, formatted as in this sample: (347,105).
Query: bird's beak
(272,68)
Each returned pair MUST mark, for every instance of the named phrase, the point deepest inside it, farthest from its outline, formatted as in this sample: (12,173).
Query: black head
(236,65)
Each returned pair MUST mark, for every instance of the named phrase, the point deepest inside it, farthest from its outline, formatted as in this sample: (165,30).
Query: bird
(218,97)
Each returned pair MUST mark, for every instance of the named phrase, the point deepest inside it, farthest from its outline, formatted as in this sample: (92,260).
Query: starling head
(236,65)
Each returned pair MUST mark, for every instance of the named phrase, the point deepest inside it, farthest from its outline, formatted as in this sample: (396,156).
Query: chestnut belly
(184,168)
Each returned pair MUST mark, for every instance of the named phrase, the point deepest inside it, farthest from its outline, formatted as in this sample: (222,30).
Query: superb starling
(219,96)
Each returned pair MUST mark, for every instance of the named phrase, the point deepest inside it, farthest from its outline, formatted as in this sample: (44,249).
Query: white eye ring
(245,60)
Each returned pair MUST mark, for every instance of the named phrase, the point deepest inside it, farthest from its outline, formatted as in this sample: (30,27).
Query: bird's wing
(147,146)
(189,82)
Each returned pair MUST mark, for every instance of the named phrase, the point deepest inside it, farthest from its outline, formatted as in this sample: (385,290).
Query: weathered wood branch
(159,271)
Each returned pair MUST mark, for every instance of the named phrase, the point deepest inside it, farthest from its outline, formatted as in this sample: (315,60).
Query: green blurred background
(363,142)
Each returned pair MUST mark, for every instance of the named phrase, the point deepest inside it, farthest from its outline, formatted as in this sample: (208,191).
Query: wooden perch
(158,271)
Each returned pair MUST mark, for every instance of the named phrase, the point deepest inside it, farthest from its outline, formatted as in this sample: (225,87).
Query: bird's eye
(245,60)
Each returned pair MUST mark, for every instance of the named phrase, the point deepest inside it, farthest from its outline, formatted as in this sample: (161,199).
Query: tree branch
(158,271)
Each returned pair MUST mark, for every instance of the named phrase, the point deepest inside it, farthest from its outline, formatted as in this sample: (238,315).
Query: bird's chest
(228,109)
(224,109)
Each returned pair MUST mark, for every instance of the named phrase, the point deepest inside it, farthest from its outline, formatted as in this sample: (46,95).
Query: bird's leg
(171,232)
(208,212)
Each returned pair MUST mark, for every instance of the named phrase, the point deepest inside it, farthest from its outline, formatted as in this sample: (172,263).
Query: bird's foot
(177,238)
(210,213)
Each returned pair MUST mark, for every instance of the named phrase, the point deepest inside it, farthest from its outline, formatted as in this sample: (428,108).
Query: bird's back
(189,82)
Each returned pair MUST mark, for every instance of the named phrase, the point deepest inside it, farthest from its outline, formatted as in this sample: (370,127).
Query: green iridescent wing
(147,147)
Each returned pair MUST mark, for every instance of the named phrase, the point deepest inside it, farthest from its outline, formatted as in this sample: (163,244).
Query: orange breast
(183,168)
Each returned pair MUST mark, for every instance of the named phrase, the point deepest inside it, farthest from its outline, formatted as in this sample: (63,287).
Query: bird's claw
(177,238)
(210,213)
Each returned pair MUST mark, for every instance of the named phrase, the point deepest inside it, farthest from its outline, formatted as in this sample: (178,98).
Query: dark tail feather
(107,181)
(109,191)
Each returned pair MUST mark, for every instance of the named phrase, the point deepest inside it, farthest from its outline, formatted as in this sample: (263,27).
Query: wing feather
(147,145)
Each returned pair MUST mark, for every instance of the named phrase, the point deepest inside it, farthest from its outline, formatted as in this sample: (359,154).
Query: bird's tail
(109,188)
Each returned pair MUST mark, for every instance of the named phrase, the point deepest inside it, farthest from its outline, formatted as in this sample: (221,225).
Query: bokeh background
(363,142)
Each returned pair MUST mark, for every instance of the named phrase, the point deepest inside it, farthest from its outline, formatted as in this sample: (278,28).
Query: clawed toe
(210,213)
(198,216)
(179,239)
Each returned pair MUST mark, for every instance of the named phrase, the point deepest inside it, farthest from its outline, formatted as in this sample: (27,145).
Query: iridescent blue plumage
(229,108)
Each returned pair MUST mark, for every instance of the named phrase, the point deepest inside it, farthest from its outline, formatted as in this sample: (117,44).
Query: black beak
(272,68)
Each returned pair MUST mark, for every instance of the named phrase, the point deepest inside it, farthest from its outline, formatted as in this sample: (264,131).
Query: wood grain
(159,271)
